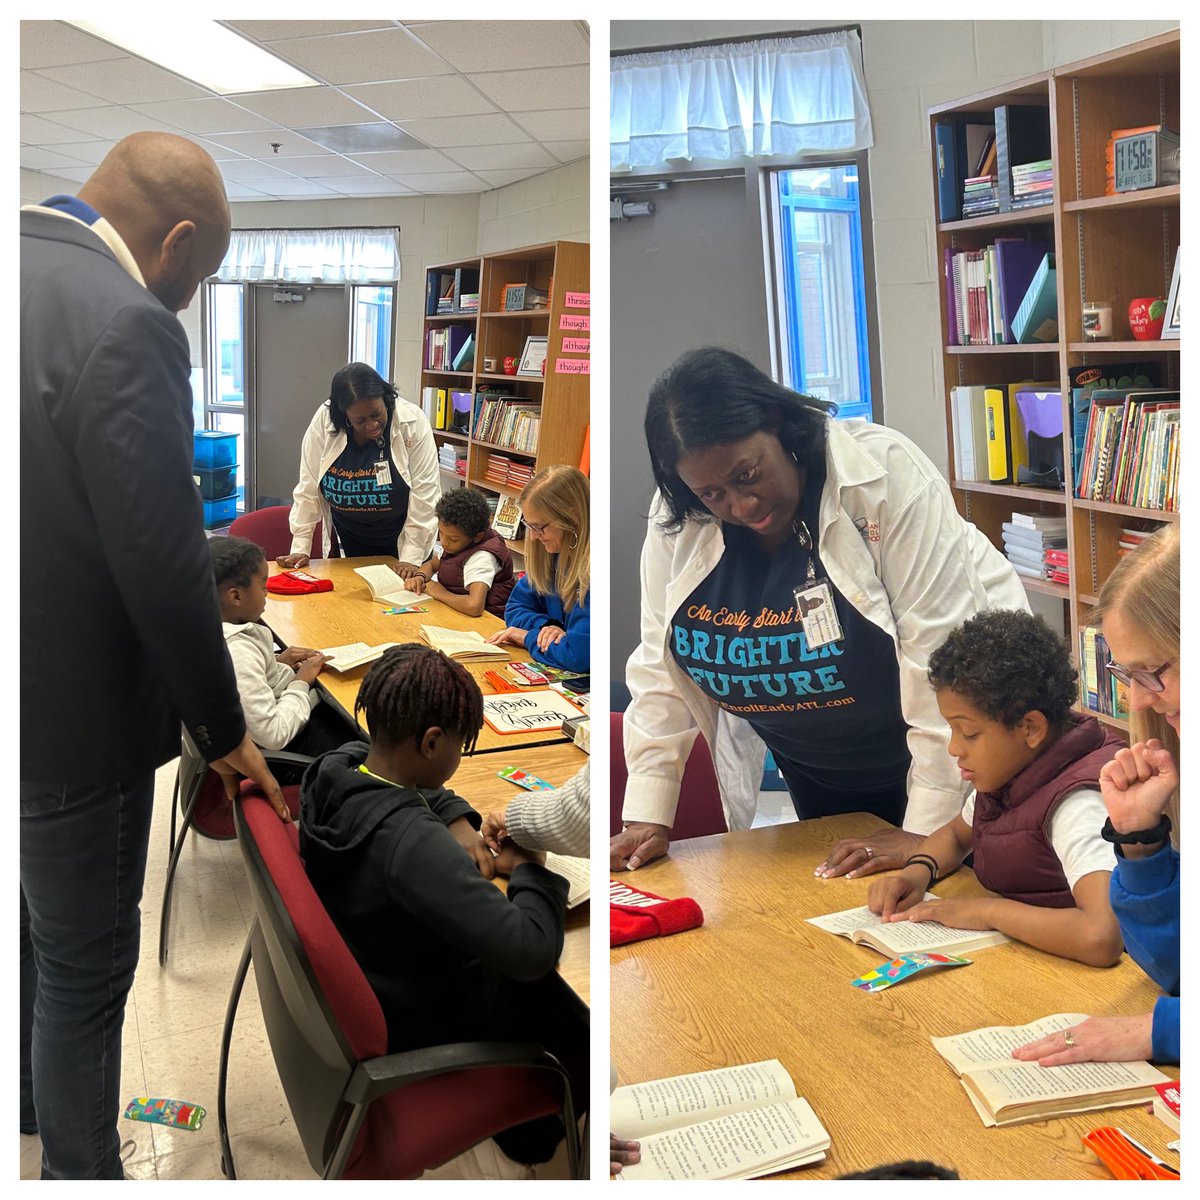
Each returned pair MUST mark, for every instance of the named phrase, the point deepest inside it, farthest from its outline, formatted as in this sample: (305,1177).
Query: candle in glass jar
(1097,320)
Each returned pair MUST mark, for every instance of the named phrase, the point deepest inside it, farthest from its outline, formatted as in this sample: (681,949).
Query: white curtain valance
(312,256)
(728,103)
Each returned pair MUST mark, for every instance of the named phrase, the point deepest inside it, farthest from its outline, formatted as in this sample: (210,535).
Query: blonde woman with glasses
(549,610)
(1139,610)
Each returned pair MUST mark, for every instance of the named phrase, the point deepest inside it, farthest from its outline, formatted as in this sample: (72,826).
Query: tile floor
(172,1036)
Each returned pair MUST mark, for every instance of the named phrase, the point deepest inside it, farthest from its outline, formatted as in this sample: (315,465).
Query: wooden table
(477,782)
(756,982)
(348,614)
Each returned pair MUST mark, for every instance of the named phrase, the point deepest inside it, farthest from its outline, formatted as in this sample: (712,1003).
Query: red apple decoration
(1146,316)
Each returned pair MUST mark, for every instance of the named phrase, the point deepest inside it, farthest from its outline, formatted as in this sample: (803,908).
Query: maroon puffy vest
(1009,832)
(450,571)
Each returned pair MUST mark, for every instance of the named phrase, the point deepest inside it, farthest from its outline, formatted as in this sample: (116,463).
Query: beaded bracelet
(928,862)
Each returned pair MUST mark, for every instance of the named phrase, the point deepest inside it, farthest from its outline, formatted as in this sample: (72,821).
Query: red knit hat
(635,915)
(297,583)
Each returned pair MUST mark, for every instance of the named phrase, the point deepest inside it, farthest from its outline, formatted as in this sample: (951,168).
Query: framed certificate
(533,357)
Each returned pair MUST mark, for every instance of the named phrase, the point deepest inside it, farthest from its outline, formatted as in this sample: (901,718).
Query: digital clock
(1145,160)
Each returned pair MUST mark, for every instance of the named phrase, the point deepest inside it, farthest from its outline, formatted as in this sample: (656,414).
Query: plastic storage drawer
(216,483)
(220,512)
(213,449)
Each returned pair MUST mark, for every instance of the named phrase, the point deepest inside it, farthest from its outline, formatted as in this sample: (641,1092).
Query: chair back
(699,812)
(269,528)
(321,1014)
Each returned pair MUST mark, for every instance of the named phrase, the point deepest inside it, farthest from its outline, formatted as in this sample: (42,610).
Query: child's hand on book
(1098,1039)
(1138,784)
(622,1153)
(311,667)
(293,656)
(891,896)
(971,913)
(416,582)
(511,856)
(493,831)
(472,843)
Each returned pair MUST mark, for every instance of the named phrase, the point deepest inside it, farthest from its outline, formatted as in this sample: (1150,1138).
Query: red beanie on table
(635,915)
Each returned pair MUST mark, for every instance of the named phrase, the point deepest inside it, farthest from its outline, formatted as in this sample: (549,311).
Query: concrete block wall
(546,208)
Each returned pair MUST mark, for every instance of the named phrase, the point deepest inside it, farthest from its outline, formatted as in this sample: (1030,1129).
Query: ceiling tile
(42,95)
(432,185)
(293,107)
(492,129)
(484,45)
(74,174)
(568,151)
(362,57)
(529,91)
(208,116)
(239,191)
(406,162)
(112,122)
(37,131)
(293,189)
(504,178)
(500,158)
(450,96)
(555,125)
(367,185)
(251,171)
(55,44)
(127,81)
(373,137)
(325,166)
(258,144)
(87,152)
(274,31)
(35,158)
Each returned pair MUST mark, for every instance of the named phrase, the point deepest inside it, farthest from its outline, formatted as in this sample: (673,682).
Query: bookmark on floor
(177,1113)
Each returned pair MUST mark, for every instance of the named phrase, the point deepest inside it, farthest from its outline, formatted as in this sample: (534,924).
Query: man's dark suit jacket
(120,624)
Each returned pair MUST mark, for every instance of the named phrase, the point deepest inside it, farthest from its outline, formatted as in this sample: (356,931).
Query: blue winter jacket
(529,609)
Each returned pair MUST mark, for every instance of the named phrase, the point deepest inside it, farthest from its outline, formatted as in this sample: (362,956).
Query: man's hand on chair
(247,760)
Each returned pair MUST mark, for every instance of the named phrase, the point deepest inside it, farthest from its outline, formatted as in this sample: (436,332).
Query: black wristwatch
(1137,837)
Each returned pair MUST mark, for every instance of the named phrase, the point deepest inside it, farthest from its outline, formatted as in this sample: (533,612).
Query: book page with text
(576,871)
(737,1146)
(993,1046)
(1026,1083)
(385,584)
(639,1109)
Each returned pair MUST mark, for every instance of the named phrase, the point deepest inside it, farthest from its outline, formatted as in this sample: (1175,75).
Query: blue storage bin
(220,512)
(213,449)
(215,483)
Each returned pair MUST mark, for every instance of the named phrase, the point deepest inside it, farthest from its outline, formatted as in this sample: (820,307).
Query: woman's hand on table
(896,893)
(512,636)
(638,843)
(967,913)
(406,569)
(1098,1039)
(1137,784)
(549,634)
(885,851)
(292,561)
(493,831)
(622,1153)
(473,844)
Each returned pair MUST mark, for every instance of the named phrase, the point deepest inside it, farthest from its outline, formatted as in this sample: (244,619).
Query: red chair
(268,528)
(363,1113)
(699,811)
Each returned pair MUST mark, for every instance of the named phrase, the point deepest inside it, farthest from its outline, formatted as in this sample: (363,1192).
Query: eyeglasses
(374,419)
(1150,680)
(537,530)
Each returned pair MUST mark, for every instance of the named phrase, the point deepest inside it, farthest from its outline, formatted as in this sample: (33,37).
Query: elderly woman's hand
(292,561)
(1098,1039)
(638,843)
(886,851)
(549,634)
(512,636)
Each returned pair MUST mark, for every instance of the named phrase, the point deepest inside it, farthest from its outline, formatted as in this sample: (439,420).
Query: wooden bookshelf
(560,268)
(1111,246)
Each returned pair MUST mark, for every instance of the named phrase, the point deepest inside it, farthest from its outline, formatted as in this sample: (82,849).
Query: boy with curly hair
(472,569)
(1005,685)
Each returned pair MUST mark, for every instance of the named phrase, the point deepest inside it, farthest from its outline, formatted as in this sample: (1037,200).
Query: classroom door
(296,348)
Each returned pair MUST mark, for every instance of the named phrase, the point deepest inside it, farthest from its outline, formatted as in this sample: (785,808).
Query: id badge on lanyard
(383,472)
(814,602)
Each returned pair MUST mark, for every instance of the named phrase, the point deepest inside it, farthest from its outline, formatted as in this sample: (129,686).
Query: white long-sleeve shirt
(276,704)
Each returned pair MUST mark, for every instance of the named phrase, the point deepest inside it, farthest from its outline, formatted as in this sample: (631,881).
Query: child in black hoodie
(450,957)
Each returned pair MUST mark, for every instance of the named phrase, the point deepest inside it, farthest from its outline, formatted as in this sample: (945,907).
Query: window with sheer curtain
(312,256)
(737,102)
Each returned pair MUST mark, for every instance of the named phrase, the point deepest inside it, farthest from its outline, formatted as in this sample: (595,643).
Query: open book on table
(894,938)
(733,1123)
(354,654)
(386,586)
(576,871)
(1006,1091)
(464,644)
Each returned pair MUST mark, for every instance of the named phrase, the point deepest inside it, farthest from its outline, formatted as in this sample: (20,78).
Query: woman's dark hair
(235,561)
(357,381)
(465,509)
(412,688)
(1007,663)
(710,397)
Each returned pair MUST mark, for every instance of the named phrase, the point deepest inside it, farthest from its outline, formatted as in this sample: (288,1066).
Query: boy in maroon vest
(1005,686)
(474,569)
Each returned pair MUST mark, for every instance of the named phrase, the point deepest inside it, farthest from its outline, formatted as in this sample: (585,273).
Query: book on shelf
(1099,691)
(1017,262)
(443,345)
(507,519)
(354,654)
(439,292)
(386,586)
(960,148)
(464,360)
(1022,136)
(737,1122)
(466,284)
(1006,1091)
(460,411)
(433,405)
(1040,522)
(1007,437)
(1036,318)
(1129,452)
(969,424)
(464,644)
(894,938)
(1166,1103)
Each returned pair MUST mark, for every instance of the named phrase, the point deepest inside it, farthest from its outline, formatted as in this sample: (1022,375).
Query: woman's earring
(575,542)
(794,458)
